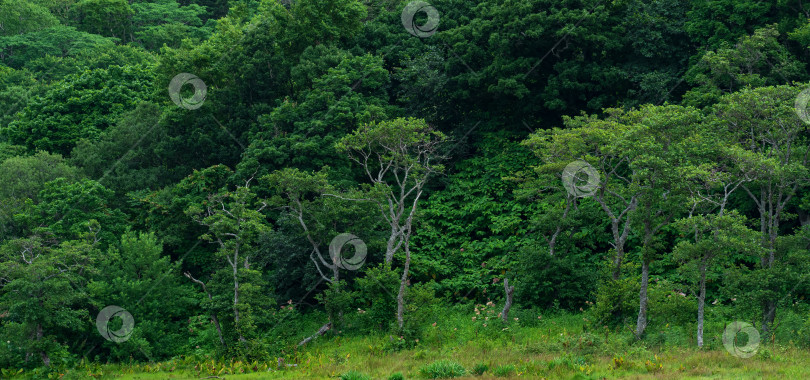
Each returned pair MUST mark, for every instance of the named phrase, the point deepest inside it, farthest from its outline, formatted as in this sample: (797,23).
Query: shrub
(396,376)
(442,369)
(377,289)
(616,302)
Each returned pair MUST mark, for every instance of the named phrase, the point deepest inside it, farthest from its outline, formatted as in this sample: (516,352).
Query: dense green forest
(283,187)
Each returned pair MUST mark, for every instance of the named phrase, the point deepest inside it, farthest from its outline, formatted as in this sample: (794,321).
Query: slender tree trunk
(641,322)
(403,282)
(508,290)
(236,302)
(390,246)
(617,264)
(553,241)
(769,305)
(219,328)
(701,302)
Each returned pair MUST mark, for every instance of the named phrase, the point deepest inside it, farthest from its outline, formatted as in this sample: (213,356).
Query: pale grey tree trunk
(701,303)
(641,322)
(508,290)
(402,285)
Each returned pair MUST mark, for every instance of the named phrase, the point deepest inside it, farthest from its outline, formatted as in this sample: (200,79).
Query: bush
(354,375)
(336,300)
(396,376)
(561,281)
(616,301)
(442,369)
(378,289)
(669,307)
(420,307)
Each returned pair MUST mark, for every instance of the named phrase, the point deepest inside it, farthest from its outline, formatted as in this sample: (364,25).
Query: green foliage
(156,297)
(81,106)
(755,61)
(378,289)
(42,293)
(58,41)
(21,180)
(562,280)
(110,18)
(136,144)
(336,301)
(70,210)
(471,228)
(160,23)
(20,17)
(23,177)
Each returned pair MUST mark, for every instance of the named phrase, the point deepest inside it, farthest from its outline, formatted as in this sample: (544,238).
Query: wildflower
(434,324)
(516,319)
(473,318)
(485,325)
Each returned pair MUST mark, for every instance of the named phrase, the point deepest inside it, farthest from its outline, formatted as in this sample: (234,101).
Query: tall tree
(42,288)
(764,122)
(398,157)
(235,222)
